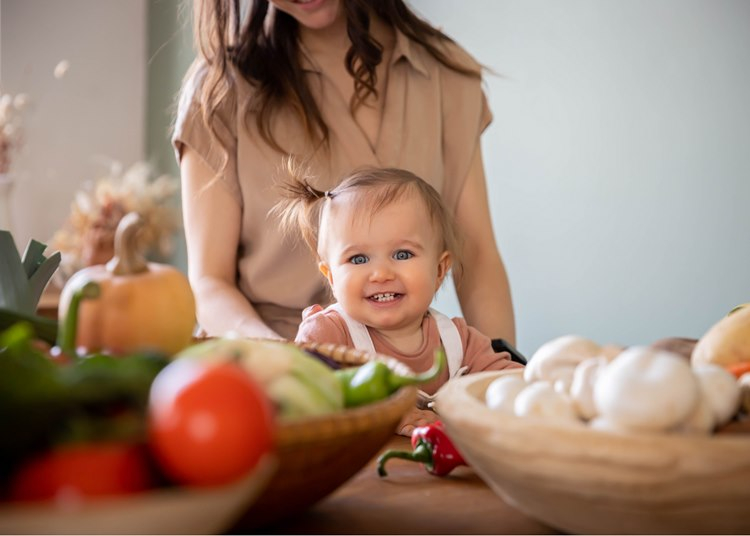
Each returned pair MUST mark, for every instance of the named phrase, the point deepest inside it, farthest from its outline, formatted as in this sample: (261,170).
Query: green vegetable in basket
(298,384)
(22,282)
(375,381)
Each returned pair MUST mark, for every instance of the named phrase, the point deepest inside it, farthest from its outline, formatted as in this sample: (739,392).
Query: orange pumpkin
(142,305)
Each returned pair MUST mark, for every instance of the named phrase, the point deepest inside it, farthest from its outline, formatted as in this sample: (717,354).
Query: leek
(22,282)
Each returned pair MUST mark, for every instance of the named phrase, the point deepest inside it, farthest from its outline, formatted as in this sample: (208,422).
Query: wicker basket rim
(351,421)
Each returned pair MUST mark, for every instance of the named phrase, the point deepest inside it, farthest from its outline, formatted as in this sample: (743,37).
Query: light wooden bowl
(317,455)
(581,480)
(177,510)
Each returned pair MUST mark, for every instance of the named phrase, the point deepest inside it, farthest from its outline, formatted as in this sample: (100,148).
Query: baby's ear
(444,264)
(326,271)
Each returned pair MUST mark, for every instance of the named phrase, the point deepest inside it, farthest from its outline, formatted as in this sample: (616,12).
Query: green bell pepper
(375,381)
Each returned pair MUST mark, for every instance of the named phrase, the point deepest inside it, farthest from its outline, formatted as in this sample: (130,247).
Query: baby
(385,242)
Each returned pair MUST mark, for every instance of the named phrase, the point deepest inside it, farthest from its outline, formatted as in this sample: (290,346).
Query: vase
(6,191)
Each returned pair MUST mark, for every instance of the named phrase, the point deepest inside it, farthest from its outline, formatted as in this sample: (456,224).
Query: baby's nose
(381,272)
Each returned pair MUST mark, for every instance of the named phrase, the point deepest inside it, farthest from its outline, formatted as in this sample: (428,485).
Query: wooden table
(411,501)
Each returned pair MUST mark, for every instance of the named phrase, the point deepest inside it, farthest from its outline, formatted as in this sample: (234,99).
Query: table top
(411,501)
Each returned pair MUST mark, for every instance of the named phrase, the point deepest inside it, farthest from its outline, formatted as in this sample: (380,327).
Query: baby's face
(383,270)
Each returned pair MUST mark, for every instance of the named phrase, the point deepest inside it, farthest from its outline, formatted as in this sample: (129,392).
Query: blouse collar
(403,48)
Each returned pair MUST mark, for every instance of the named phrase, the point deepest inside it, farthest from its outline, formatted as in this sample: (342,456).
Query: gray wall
(76,124)
(618,160)
(170,52)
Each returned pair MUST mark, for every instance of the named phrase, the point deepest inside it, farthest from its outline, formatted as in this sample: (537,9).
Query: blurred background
(618,161)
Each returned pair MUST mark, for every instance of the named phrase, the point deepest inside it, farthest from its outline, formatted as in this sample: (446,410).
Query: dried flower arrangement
(87,237)
(12,108)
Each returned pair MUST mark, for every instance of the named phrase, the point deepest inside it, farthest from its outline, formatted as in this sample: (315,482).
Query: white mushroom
(610,351)
(701,421)
(582,388)
(646,389)
(501,393)
(556,360)
(540,399)
(720,389)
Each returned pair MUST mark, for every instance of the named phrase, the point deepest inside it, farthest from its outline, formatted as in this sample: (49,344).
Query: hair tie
(328,194)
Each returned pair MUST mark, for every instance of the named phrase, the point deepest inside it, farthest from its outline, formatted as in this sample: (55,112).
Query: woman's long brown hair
(268,57)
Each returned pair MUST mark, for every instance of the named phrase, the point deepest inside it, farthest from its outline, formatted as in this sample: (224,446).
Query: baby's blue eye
(358,259)
(402,255)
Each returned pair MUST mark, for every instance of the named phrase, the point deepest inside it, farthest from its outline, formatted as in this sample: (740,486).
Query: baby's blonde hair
(301,206)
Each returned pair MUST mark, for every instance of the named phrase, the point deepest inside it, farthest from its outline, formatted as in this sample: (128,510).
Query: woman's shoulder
(461,56)
(452,51)
(231,87)
(195,92)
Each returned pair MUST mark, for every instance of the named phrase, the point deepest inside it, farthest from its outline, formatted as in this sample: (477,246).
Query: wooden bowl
(317,455)
(176,510)
(582,480)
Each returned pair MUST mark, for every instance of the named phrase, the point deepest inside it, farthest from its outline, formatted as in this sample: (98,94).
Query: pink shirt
(328,326)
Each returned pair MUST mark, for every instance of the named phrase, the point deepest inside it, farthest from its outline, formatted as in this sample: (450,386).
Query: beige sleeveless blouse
(432,121)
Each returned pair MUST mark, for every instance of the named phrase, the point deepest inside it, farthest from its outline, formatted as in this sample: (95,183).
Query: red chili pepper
(432,447)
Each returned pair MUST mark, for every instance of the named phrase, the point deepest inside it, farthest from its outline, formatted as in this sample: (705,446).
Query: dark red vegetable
(431,447)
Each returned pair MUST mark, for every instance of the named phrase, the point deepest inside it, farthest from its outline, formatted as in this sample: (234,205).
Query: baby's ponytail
(299,209)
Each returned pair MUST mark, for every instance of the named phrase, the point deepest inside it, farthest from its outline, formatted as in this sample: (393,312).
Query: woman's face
(312,14)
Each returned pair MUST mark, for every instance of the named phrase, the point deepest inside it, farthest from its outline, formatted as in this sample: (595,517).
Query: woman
(338,84)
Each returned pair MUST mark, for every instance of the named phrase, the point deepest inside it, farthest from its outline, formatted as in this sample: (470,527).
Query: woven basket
(588,481)
(317,455)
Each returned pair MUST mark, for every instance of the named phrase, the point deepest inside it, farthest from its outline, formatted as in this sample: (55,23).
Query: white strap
(357,330)
(454,351)
(451,339)
(449,336)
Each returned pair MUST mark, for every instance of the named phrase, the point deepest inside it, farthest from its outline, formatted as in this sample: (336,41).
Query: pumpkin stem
(127,259)
(66,336)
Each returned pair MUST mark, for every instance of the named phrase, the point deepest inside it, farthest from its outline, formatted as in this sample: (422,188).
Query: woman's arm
(212,219)
(483,291)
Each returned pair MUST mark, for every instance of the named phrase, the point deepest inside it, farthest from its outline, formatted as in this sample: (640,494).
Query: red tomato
(209,423)
(86,469)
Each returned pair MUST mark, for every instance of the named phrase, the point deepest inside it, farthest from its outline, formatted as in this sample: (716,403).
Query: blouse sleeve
(191,131)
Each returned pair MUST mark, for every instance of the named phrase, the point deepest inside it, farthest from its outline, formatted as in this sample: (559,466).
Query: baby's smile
(385,297)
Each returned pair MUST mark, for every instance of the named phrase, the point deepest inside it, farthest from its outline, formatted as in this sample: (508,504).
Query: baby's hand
(309,311)
(416,417)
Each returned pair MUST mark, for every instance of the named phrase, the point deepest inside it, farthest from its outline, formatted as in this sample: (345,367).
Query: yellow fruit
(727,342)
(142,306)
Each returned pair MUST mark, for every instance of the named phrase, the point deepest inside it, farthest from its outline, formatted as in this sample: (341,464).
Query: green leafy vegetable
(22,282)
(92,398)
